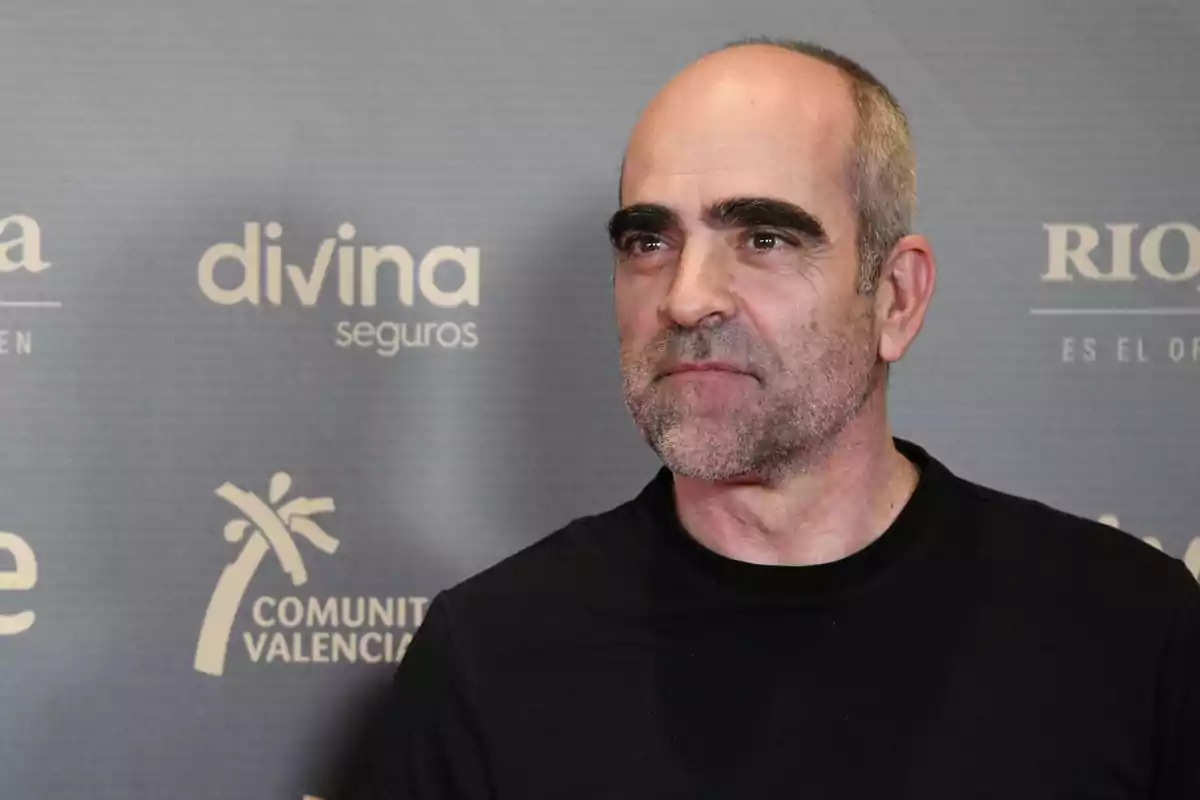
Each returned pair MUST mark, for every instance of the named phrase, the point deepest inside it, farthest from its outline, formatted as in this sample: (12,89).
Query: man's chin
(707,468)
(710,455)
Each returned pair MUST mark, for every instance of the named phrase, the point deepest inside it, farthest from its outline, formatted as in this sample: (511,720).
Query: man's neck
(835,507)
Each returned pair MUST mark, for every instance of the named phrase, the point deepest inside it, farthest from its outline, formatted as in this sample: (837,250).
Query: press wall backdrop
(305,315)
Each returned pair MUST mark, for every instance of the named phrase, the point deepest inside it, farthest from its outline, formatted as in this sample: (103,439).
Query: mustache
(726,344)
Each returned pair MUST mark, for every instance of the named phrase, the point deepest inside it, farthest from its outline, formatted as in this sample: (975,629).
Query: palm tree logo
(271,527)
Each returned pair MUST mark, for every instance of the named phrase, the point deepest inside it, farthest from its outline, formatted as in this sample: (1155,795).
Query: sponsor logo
(1127,260)
(20,577)
(1130,349)
(20,252)
(1190,557)
(294,629)
(1072,253)
(347,274)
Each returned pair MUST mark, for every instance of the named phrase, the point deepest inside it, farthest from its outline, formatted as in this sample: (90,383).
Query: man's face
(745,345)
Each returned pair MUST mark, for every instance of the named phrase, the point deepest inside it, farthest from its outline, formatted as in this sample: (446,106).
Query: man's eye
(766,241)
(636,244)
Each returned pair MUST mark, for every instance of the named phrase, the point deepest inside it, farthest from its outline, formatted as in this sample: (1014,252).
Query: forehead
(779,126)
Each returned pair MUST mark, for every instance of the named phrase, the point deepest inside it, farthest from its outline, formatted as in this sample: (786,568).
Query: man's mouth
(685,367)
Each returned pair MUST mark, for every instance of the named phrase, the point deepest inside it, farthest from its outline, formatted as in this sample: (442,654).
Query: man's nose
(700,288)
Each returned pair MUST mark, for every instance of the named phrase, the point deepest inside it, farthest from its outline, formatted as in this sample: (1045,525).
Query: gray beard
(787,429)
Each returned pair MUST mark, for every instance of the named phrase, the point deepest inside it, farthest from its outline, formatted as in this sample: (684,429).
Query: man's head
(765,276)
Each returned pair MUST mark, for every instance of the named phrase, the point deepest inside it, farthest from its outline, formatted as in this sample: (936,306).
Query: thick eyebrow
(643,218)
(734,212)
(769,212)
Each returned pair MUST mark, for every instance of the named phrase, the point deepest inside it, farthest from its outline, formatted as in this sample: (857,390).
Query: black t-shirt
(984,646)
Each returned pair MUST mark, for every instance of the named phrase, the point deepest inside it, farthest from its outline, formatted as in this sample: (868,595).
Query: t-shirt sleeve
(1178,732)
(429,745)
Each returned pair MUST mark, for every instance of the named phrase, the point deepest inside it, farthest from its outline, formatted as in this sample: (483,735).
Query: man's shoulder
(1037,539)
(583,555)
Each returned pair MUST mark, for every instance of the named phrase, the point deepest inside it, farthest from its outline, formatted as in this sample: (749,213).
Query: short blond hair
(882,169)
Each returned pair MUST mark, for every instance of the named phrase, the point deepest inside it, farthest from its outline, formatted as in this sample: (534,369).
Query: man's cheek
(637,336)
(627,320)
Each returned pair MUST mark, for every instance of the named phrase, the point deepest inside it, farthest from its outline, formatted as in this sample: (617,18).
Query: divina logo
(322,630)
(261,271)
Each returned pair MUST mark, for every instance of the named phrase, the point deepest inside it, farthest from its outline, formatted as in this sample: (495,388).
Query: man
(798,605)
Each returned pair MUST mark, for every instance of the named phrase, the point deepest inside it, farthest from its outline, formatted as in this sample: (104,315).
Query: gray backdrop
(136,136)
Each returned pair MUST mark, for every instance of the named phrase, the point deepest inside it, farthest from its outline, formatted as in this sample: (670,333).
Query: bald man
(798,605)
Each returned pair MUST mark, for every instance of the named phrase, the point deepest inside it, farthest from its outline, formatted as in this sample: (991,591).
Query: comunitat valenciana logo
(1191,556)
(294,629)
(253,271)
(1129,259)
(20,577)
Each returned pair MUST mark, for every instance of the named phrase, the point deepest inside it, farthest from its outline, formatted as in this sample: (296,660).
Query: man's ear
(906,284)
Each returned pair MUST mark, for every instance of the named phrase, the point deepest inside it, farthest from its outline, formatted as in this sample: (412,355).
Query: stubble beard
(791,411)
